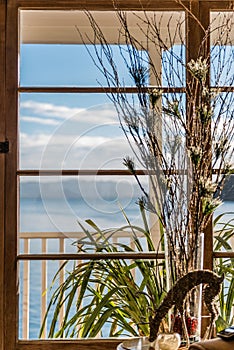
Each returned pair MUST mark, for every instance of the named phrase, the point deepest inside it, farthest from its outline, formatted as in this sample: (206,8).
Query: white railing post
(61,278)
(43,284)
(25,296)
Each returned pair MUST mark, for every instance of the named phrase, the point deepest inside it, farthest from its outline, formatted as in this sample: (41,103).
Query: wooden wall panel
(2,167)
(10,287)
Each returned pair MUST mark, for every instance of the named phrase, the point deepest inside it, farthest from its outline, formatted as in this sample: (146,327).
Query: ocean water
(55,216)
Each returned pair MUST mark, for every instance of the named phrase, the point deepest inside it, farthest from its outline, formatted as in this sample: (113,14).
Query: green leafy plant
(120,293)
(117,297)
(224,232)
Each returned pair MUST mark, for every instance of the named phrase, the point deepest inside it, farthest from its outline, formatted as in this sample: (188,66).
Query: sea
(54,216)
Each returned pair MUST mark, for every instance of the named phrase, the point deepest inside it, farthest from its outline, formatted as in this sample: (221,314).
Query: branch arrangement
(179,129)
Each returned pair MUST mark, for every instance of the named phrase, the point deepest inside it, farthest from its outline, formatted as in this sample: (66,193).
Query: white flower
(154,96)
(195,154)
(207,187)
(198,68)
(205,91)
(196,150)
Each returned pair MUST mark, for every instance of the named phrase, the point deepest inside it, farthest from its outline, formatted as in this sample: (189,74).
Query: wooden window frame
(8,162)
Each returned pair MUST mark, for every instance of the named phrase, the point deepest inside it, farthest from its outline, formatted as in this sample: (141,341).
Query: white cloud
(97,114)
(49,109)
(36,140)
(90,139)
(68,151)
(104,113)
(38,120)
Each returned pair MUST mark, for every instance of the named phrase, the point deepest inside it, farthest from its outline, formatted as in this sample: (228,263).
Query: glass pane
(59,48)
(174,131)
(59,65)
(222,49)
(173,66)
(70,131)
(58,204)
(224,219)
(223,130)
(224,302)
(33,298)
(53,52)
(114,305)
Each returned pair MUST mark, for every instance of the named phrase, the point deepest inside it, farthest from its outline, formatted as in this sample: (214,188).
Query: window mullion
(11,203)
(197,24)
(2,168)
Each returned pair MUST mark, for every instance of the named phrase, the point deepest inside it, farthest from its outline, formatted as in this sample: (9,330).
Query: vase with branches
(177,143)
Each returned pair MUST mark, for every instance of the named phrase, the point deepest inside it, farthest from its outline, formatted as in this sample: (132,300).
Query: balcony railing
(44,237)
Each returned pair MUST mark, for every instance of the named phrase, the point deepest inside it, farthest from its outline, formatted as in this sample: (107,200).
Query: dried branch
(177,139)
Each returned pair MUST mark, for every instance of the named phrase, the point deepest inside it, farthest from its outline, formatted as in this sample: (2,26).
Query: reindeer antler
(177,294)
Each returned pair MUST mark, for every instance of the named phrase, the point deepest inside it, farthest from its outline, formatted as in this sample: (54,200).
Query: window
(67,164)
(76,130)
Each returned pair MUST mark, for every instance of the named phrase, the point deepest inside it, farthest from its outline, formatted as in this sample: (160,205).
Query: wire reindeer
(177,296)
